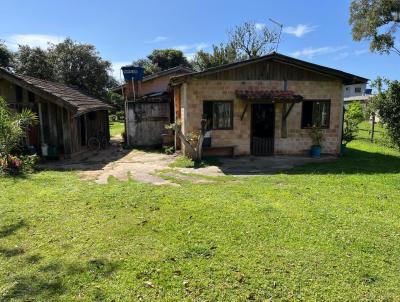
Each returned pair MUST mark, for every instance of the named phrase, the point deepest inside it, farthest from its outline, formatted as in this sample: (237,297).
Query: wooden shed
(67,117)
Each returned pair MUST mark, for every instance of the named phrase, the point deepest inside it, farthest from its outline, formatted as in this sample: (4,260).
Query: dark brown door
(262,129)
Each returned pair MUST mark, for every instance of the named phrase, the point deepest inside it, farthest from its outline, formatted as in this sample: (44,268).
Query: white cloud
(33,40)
(116,66)
(360,52)
(189,47)
(341,56)
(190,50)
(259,26)
(299,30)
(158,39)
(310,52)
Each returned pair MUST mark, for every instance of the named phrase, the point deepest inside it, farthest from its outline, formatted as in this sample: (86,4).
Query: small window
(219,114)
(347,88)
(31,97)
(18,94)
(316,113)
(357,90)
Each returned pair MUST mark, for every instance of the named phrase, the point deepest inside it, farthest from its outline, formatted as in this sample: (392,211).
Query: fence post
(373,127)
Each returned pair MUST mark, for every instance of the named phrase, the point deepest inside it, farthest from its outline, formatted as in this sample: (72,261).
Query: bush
(17,165)
(353,116)
(388,106)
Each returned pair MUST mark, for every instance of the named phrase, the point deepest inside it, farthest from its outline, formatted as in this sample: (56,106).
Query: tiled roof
(272,95)
(81,101)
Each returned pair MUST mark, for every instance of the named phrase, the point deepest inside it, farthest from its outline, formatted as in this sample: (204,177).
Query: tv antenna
(280,31)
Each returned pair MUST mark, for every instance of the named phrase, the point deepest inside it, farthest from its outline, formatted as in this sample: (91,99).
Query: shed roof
(72,98)
(347,78)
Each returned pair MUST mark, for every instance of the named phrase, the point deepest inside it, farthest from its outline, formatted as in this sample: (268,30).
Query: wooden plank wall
(268,71)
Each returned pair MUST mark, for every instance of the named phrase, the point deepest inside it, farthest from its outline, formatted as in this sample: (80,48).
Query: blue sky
(123,30)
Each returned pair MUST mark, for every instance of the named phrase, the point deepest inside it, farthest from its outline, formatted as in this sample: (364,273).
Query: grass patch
(322,232)
(185,162)
(117,128)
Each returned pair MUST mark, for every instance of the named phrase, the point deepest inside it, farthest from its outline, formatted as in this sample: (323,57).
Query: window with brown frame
(219,114)
(316,113)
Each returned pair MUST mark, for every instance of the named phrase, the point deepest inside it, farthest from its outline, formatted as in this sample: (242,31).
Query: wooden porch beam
(244,111)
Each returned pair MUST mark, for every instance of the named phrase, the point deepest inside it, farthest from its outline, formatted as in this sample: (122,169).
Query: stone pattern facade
(298,140)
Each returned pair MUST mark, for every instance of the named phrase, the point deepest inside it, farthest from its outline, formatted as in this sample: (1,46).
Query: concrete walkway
(154,167)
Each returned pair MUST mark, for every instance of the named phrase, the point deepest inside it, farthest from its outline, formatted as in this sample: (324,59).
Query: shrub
(13,126)
(388,106)
(16,165)
(353,116)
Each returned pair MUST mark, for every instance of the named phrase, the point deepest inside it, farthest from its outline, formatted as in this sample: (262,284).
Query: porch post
(284,124)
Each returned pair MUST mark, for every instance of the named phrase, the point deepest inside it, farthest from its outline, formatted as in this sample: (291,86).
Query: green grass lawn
(117,128)
(322,232)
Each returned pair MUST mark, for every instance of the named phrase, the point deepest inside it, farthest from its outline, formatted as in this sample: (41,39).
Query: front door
(262,129)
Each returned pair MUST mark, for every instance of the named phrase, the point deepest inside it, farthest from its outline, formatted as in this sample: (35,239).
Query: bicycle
(98,142)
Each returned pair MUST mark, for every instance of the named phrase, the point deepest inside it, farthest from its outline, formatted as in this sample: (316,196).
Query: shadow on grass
(353,162)
(53,280)
(12,228)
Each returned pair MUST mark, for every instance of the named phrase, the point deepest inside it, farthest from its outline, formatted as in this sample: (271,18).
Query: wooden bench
(231,148)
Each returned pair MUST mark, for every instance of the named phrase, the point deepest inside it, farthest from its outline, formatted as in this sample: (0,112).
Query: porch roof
(273,96)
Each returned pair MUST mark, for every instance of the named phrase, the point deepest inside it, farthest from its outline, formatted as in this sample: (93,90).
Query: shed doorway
(262,129)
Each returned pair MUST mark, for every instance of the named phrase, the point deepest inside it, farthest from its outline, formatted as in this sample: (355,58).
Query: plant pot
(315,151)
(45,150)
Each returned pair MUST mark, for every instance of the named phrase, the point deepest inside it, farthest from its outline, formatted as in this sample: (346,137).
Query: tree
(193,142)
(149,67)
(81,66)
(222,54)
(376,21)
(162,59)
(168,58)
(70,63)
(253,41)
(6,56)
(34,62)
(388,106)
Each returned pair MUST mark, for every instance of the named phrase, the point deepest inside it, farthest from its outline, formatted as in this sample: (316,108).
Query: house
(67,116)
(264,106)
(357,92)
(149,107)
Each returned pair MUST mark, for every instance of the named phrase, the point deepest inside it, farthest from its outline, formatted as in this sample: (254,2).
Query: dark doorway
(83,130)
(262,129)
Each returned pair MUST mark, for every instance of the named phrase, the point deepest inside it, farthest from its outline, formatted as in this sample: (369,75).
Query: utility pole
(280,32)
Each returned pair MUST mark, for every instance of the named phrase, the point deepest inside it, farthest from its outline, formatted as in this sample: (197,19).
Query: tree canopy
(246,41)
(34,62)
(6,56)
(162,59)
(376,21)
(387,103)
(69,62)
(253,40)
(220,55)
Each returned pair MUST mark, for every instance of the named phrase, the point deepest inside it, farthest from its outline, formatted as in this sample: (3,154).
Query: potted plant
(317,136)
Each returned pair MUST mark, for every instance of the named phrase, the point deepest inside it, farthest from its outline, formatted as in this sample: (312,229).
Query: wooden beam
(244,111)
(285,114)
(290,109)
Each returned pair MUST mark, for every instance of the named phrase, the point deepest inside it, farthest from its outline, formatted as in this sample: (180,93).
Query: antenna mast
(280,32)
